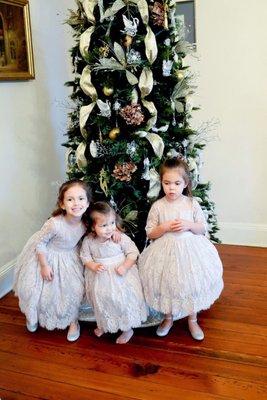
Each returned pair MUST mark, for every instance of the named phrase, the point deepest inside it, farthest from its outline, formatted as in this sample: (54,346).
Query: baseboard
(243,234)
(6,278)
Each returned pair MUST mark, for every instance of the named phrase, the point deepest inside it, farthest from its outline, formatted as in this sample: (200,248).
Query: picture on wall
(185,12)
(16,54)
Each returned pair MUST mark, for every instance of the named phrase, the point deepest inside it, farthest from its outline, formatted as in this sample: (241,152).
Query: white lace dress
(54,304)
(118,301)
(181,273)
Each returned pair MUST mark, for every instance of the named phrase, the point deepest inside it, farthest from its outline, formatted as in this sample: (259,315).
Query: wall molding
(243,234)
(6,278)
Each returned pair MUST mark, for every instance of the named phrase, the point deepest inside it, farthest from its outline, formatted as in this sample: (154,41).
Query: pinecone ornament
(132,114)
(158,13)
(123,171)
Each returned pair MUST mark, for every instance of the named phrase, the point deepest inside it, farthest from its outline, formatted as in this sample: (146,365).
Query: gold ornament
(108,91)
(104,50)
(180,75)
(127,41)
(114,133)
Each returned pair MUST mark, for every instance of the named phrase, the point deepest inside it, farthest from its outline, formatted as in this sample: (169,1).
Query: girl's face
(75,202)
(173,184)
(104,225)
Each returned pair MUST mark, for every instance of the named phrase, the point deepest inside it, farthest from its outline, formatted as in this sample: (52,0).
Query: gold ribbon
(145,82)
(85,40)
(151,45)
(85,111)
(86,83)
(154,184)
(155,140)
(80,157)
(88,6)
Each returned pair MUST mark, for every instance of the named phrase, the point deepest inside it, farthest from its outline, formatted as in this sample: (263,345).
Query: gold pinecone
(123,171)
(132,114)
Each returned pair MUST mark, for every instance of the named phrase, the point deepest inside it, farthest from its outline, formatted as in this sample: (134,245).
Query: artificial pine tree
(133,102)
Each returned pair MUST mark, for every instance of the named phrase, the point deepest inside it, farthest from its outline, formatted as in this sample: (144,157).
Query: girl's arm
(87,258)
(155,229)
(46,270)
(123,268)
(198,226)
(47,232)
(95,267)
(131,252)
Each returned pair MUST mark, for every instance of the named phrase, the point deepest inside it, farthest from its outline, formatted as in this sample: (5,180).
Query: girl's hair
(62,190)
(103,208)
(181,165)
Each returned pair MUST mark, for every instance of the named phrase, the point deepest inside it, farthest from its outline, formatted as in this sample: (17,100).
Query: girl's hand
(116,236)
(46,273)
(98,268)
(170,226)
(182,225)
(121,270)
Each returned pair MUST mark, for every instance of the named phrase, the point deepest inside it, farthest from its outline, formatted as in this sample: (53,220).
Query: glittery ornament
(158,13)
(166,67)
(130,26)
(103,51)
(132,114)
(123,172)
(133,57)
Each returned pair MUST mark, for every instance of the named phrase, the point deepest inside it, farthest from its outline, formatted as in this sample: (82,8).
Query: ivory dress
(118,301)
(181,272)
(54,304)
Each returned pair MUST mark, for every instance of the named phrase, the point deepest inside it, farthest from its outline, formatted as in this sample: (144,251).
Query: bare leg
(125,337)
(165,326)
(98,332)
(194,328)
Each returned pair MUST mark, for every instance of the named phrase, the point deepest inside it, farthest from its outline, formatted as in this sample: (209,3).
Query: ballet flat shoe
(71,337)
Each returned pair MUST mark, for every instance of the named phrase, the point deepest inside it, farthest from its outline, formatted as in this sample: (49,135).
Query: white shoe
(163,331)
(195,330)
(31,327)
(71,337)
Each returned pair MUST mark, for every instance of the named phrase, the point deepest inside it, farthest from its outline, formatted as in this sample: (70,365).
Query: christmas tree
(132,95)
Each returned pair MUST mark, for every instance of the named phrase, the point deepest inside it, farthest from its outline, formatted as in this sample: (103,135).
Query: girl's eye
(113,222)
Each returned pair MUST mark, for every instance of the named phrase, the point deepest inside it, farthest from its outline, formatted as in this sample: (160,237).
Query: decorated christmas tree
(132,95)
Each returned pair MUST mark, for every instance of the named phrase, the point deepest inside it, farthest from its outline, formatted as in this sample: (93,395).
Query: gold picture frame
(16,53)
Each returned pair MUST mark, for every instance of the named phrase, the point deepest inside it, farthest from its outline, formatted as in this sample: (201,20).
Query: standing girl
(180,270)
(112,282)
(49,274)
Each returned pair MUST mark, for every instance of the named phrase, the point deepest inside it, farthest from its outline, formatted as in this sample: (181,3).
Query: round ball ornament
(180,75)
(114,133)
(127,41)
(108,91)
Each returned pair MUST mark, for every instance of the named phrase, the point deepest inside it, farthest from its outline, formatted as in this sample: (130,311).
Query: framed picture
(185,12)
(16,55)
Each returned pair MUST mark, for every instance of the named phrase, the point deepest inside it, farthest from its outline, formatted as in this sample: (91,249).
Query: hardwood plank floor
(229,364)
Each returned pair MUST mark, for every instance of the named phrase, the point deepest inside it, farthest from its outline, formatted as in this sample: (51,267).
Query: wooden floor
(229,364)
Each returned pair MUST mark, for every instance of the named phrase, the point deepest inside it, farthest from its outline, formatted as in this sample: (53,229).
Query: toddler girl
(112,282)
(49,274)
(180,270)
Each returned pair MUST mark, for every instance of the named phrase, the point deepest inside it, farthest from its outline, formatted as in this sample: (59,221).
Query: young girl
(112,282)
(49,274)
(180,270)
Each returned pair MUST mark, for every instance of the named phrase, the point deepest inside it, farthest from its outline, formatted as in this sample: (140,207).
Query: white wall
(33,119)
(231,43)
